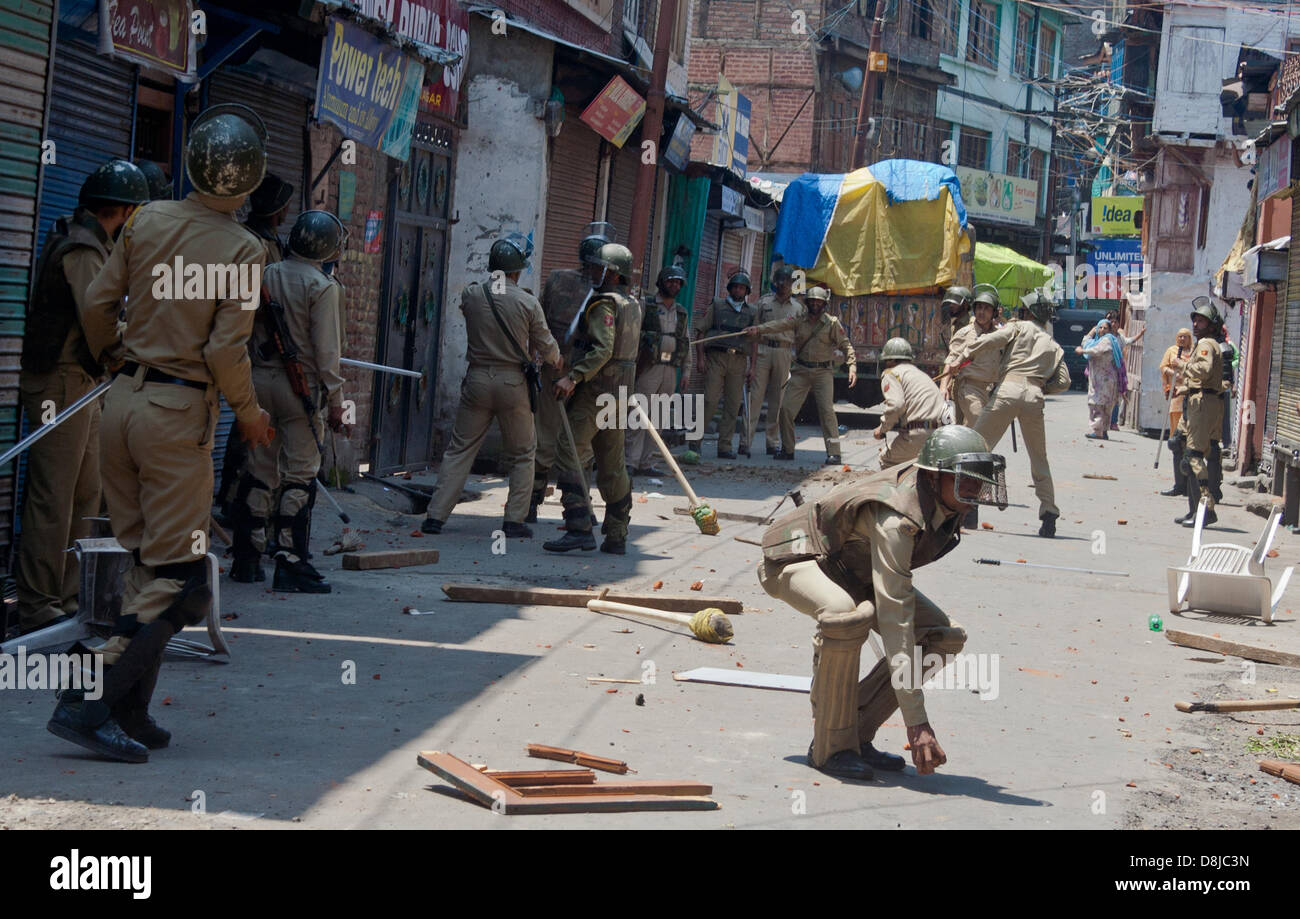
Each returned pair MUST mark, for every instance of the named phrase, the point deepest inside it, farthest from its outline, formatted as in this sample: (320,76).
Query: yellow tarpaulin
(873,246)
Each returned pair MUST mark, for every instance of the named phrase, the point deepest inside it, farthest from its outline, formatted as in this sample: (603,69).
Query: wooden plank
(1239,705)
(482,788)
(1249,652)
(723,677)
(590,760)
(1288,771)
(555,596)
(647,787)
(535,777)
(724,515)
(393,558)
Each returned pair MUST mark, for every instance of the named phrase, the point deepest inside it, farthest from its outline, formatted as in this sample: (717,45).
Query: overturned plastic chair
(1227,578)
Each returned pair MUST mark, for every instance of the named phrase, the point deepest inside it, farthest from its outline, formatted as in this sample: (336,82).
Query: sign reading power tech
(438,23)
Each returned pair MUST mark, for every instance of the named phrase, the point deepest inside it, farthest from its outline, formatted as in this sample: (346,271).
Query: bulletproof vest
(52,310)
(725,320)
(562,296)
(652,333)
(821,529)
(620,369)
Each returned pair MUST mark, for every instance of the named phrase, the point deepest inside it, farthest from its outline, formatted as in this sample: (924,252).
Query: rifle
(272,313)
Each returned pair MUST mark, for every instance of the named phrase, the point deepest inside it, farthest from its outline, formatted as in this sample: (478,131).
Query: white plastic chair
(1227,578)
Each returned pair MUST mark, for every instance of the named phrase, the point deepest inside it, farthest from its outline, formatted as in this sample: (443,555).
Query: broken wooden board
(392,558)
(1104,478)
(723,677)
(531,778)
(590,760)
(1238,705)
(724,515)
(633,787)
(1288,771)
(558,596)
(503,799)
(1249,652)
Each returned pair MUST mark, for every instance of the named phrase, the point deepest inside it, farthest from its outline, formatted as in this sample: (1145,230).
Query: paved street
(1082,732)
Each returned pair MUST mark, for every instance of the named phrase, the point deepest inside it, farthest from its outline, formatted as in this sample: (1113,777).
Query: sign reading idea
(368,89)
(1119,215)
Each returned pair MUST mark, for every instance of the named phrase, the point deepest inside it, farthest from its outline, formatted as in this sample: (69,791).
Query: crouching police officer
(913,405)
(160,415)
(307,303)
(847,561)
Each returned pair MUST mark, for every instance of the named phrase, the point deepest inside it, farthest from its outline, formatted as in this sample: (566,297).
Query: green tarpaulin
(1011,273)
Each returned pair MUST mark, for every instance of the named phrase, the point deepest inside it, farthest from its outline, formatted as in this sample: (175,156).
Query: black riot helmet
(317,235)
(269,197)
(510,253)
(669,273)
(116,182)
(597,234)
(160,187)
(226,153)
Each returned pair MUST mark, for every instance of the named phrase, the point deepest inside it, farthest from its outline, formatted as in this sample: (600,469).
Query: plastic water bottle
(1155,623)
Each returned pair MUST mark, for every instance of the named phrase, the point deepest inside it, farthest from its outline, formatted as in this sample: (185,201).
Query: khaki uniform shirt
(911,397)
(312,302)
(815,339)
(1025,350)
(667,327)
(522,315)
(984,366)
(769,308)
(80,267)
(1204,369)
(205,340)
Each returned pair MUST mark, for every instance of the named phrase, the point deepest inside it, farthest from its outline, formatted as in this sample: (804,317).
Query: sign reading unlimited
(995,196)
(1112,262)
(368,89)
(615,112)
(155,33)
(1119,215)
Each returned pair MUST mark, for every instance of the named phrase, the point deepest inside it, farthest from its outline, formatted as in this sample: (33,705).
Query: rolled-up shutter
(622,198)
(1282,427)
(733,248)
(571,201)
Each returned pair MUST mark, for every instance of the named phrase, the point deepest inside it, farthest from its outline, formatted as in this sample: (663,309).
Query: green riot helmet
(742,278)
(616,258)
(897,349)
(1037,306)
(317,235)
(116,182)
(782,274)
(1204,307)
(226,153)
(987,293)
(817,298)
(670,273)
(510,253)
(594,236)
(956,300)
(160,188)
(980,475)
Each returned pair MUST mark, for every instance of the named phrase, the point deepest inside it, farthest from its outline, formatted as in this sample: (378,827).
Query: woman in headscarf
(1106,382)
(1175,356)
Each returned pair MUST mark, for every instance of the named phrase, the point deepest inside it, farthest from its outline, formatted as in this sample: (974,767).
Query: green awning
(1011,273)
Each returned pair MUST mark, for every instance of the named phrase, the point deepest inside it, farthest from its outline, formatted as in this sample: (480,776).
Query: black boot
(572,539)
(434,527)
(845,764)
(832,459)
(298,576)
(1216,471)
(1048,526)
(885,762)
(614,546)
(1193,499)
(92,726)
(247,565)
(531,517)
(783,455)
(1177,447)
(132,713)
(517,530)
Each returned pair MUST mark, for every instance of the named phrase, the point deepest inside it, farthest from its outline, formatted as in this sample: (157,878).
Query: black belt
(773,343)
(152,375)
(722,350)
(1213,392)
(922,426)
(815,365)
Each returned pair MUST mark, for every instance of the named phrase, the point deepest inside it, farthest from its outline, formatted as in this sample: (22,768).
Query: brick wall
(558,18)
(361,275)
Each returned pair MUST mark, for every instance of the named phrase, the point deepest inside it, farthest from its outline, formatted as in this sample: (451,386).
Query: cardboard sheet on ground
(724,677)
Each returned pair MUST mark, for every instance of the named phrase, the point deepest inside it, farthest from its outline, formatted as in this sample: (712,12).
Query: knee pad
(190,606)
(295,497)
(853,625)
(947,640)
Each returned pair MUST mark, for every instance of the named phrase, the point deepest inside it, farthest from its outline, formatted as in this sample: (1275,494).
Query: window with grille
(922,20)
(1024,58)
(1016,158)
(942,132)
(632,15)
(973,150)
(1046,51)
(947,40)
(982,36)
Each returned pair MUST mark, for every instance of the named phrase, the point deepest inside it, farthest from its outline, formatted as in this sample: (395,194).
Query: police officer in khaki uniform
(665,340)
(956,308)
(57,369)
(268,206)
(1201,426)
(604,359)
(817,336)
(969,385)
(724,361)
(771,357)
(565,294)
(160,414)
(160,189)
(1031,364)
(913,405)
(847,561)
(310,302)
(503,325)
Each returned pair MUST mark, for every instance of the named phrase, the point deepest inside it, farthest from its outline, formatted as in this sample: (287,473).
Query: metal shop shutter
(90,123)
(285,114)
(733,248)
(571,195)
(622,199)
(705,284)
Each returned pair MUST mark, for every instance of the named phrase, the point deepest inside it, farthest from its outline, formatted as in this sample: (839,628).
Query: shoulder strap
(492,305)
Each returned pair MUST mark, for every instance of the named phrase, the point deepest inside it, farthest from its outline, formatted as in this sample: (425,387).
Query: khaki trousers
(659,380)
(847,711)
(970,398)
(724,380)
(489,393)
(1202,428)
(821,382)
(903,447)
(290,459)
(770,374)
(156,463)
(62,489)
(1017,401)
(548,430)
